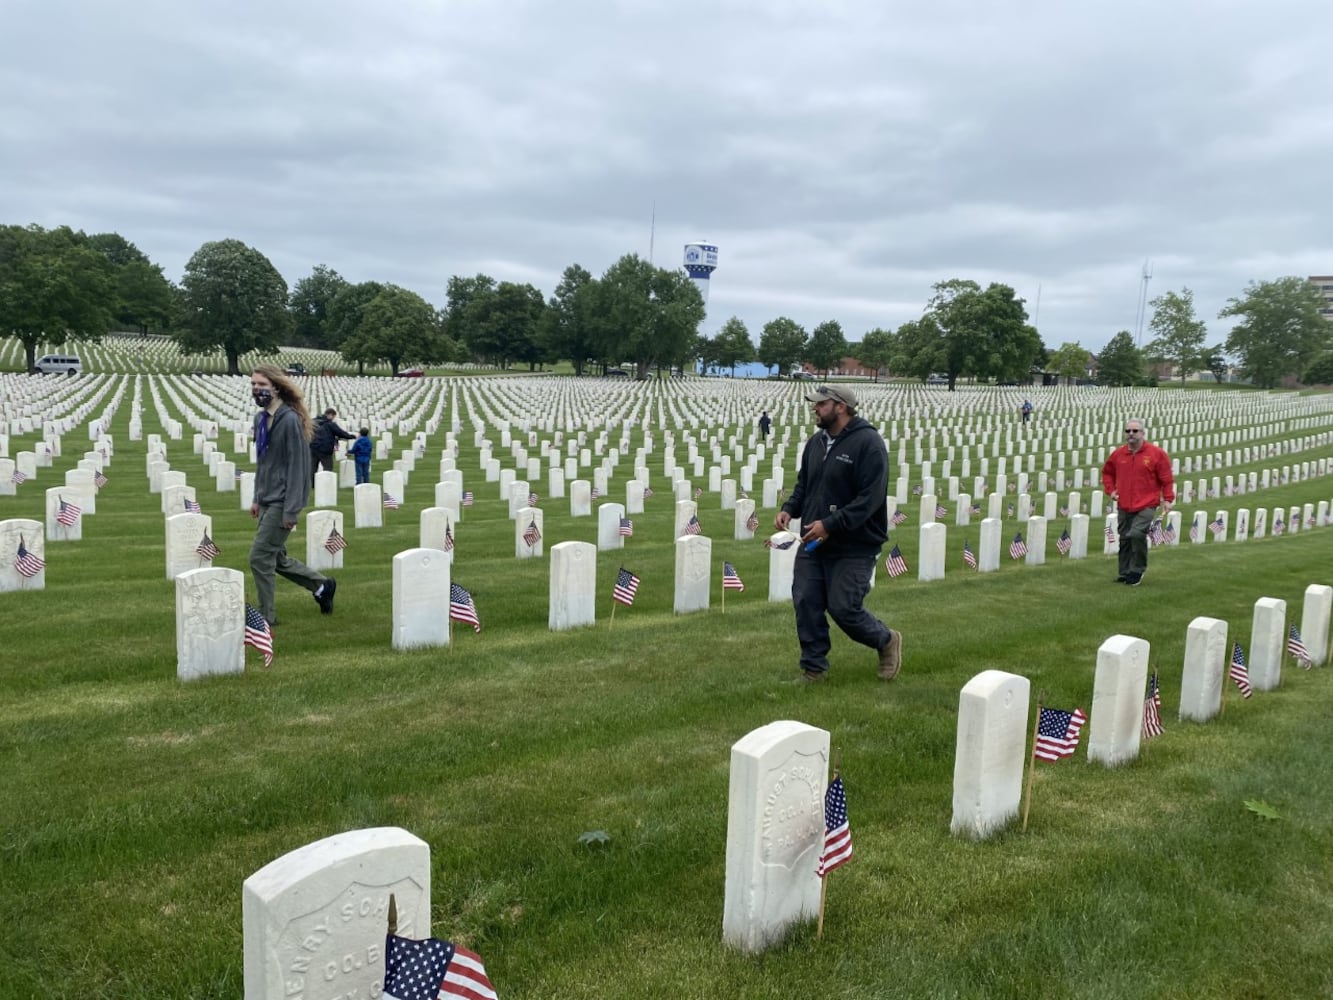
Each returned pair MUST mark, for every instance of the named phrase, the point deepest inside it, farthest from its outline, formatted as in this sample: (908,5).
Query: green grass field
(135,806)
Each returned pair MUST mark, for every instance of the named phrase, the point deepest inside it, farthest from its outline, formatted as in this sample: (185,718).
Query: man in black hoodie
(324,442)
(840,498)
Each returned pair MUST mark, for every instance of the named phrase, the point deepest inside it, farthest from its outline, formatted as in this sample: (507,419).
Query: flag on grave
(837,830)
(1110,532)
(18,478)
(1217,526)
(258,635)
(595,493)
(391,502)
(533,499)
(461,608)
(895,563)
(1297,648)
(969,557)
(99,480)
(1009,510)
(448,538)
(976,508)
(207,548)
(752,522)
(899,517)
(335,542)
(68,514)
(432,969)
(1152,709)
(626,528)
(1278,527)
(1017,548)
(770,544)
(698,492)
(532,534)
(730,578)
(626,586)
(647,492)
(941,510)
(1157,534)
(916,491)
(1057,733)
(1194,531)
(27,563)
(192,507)
(468,498)
(692,526)
(1064,543)
(1239,672)
(1064,510)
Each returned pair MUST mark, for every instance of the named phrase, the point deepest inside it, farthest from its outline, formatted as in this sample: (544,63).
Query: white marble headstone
(210,622)
(990,753)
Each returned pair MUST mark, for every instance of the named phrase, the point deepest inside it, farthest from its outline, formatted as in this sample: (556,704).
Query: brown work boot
(808,677)
(891,656)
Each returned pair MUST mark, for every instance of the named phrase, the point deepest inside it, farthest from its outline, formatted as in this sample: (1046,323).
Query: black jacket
(326,436)
(847,489)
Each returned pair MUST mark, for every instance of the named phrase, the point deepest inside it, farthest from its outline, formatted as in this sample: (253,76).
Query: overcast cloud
(844,156)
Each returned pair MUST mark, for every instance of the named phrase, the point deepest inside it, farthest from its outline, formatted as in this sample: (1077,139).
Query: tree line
(61,284)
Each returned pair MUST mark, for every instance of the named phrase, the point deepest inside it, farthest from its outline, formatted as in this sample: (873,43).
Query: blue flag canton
(414,970)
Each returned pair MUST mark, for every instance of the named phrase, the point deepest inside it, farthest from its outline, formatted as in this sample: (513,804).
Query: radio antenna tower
(1143,303)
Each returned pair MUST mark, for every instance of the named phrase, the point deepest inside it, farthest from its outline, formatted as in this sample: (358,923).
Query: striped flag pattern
(1058,733)
(335,542)
(28,563)
(1018,548)
(1239,671)
(258,635)
(1064,543)
(68,514)
(1152,709)
(626,528)
(461,608)
(1297,648)
(207,548)
(837,830)
(969,557)
(391,502)
(895,563)
(626,586)
(730,578)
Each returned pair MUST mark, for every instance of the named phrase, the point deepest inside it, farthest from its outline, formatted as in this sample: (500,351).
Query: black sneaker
(1134,579)
(1120,578)
(325,598)
(808,677)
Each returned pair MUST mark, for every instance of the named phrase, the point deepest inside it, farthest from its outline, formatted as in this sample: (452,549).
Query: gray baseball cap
(837,393)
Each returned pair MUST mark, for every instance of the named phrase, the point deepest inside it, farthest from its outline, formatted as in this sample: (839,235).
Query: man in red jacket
(1138,478)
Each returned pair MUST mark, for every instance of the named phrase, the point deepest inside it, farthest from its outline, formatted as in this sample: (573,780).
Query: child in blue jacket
(361,450)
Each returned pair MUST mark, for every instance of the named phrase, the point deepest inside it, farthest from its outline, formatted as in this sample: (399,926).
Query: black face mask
(263,397)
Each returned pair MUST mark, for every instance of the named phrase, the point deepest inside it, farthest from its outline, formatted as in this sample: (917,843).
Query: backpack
(322,440)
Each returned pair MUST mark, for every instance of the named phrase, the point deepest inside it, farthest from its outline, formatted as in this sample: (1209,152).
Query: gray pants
(836,586)
(268,555)
(1134,527)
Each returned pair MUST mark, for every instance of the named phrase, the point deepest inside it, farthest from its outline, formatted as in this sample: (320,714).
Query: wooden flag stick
(1032,768)
(823,882)
(393,914)
(724,598)
(612,622)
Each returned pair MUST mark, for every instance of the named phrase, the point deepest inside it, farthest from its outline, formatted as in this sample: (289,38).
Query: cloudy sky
(844,155)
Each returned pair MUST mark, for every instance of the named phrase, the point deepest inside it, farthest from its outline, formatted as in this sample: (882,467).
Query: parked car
(58,364)
(803,376)
(616,373)
(413,372)
(295,368)
(937,379)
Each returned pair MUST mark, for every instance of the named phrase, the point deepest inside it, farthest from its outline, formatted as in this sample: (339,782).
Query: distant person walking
(324,440)
(1026,410)
(1137,476)
(361,449)
(765,424)
(282,486)
(840,497)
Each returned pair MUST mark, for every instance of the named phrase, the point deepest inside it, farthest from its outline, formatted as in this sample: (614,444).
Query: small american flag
(647,492)
(1239,672)
(916,491)
(976,508)
(698,492)
(1168,532)
(692,526)
(534,499)
(941,510)
(626,528)
(898,517)
(742,495)
(1278,527)
(27,563)
(1017,549)
(532,534)
(191,507)
(335,542)
(1058,733)
(627,585)
(1110,532)
(969,557)
(781,546)
(730,578)
(207,548)
(837,830)
(68,514)
(18,478)
(1157,534)
(461,608)
(468,498)
(257,634)
(1064,510)
(1297,648)
(596,493)
(752,522)
(99,480)
(1194,531)
(432,969)
(1064,543)
(1217,526)
(448,538)
(782,495)
(391,502)
(895,563)
(1152,710)
(1009,510)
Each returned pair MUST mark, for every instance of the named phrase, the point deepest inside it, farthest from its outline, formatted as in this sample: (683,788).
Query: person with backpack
(324,442)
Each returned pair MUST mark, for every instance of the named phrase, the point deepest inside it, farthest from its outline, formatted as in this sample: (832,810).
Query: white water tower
(700,263)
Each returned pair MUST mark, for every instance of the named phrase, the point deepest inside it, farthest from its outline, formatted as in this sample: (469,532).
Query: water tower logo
(700,263)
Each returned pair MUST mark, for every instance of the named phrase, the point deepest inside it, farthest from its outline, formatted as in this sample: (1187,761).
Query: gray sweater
(282,474)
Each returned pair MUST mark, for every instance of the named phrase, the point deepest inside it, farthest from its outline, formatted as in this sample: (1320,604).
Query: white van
(58,364)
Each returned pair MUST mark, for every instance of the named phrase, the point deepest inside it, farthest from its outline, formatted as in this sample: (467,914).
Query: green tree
(781,344)
(1320,370)
(460,294)
(145,299)
(1070,361)
(1215,360)
(568,330)
(503,324)
(1120,362)
(732,345)
(53,287)
(876,350)
(1280,330)
(918,348)
(827,346)
(343,323)
(232,299)
(982,333)
(1179,334)
(647,314)
(309,303)
(395,325)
